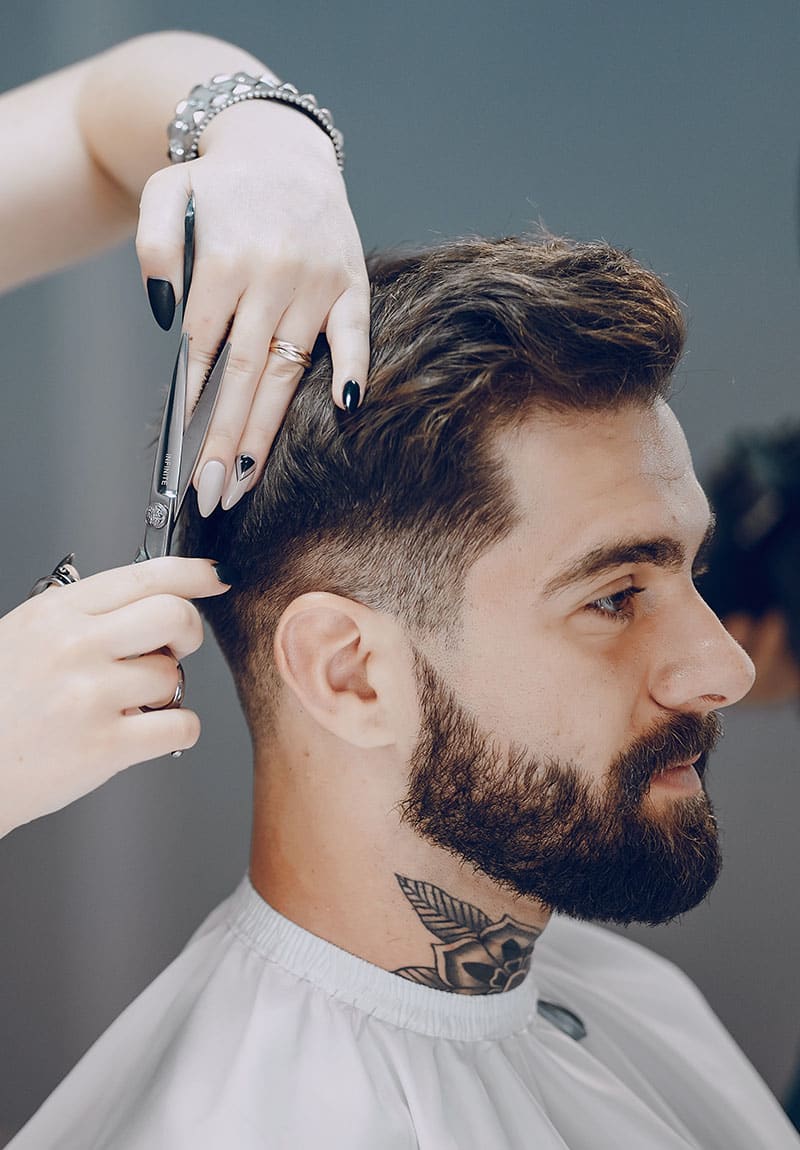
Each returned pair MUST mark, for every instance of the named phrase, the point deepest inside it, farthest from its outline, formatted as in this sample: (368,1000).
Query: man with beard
(482,688)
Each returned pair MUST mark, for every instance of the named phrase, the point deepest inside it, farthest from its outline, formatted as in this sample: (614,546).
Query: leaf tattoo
(473,955)
(446,917)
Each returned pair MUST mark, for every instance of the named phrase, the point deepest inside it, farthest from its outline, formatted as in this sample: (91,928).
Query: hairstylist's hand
(277,250)
(277,255)
(76,663)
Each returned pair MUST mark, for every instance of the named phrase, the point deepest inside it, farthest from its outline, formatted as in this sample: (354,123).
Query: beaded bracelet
(205,101)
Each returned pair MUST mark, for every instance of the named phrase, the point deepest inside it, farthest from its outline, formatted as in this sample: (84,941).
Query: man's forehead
(648,439)
(581,482)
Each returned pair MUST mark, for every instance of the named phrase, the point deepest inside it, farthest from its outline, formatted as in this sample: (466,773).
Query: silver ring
(61,576)
(290,351)
(177,699)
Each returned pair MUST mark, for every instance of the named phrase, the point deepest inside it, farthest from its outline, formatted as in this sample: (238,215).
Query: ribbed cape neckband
(371,989)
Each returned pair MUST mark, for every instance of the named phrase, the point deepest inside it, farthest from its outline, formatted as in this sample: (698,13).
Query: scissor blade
(196,432)
(188,251)
(167,466)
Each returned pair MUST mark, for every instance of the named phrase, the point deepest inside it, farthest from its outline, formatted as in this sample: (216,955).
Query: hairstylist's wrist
(276,128)
(206,101)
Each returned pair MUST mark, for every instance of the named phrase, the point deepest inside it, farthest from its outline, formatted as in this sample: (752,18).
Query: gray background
(669,128)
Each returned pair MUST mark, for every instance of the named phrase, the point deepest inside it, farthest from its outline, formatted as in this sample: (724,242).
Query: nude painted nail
(209,489)
(233,497)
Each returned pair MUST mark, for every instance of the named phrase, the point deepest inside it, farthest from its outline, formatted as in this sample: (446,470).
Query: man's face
(559,726)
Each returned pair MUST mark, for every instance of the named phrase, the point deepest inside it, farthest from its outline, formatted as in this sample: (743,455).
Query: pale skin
(555,671)
(277,254)
(76,663)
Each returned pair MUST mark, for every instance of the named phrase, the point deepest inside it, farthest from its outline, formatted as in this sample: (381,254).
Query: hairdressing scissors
(178,448)
(179,443)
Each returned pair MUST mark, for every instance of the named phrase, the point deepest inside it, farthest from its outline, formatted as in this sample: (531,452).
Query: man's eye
(618,606)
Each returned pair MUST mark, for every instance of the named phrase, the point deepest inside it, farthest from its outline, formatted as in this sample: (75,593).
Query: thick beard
(543,830)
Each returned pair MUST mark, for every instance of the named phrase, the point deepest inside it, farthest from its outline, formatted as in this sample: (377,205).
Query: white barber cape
(262,1035)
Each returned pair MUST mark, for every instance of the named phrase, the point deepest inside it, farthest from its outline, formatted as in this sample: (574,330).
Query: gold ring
(290,351)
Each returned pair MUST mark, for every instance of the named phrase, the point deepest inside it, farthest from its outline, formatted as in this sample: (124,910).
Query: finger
(149,681)
(148,736)
(216,290)
(347,331)
(273,395)
(159,241)
(150,624)
(172,575)
(246,364)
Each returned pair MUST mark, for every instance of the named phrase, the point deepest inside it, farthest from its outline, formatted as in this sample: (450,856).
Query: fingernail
(225,574)
(239,485)
(220,572)
(162,302)
(351,395)
(209,489)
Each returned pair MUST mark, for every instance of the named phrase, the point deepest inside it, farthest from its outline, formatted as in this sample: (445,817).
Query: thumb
(159,240)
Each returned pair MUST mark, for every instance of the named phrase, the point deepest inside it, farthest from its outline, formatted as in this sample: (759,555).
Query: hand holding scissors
(85,671)
(177,453)
(279,258)
(179,448)
(76,666)
(179,444)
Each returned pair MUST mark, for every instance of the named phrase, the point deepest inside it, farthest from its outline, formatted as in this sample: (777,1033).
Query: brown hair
(392,504)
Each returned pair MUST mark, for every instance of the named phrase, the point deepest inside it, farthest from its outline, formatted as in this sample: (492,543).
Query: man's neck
(367,883)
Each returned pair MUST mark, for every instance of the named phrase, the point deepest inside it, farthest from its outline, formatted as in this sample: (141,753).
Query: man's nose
(701,667)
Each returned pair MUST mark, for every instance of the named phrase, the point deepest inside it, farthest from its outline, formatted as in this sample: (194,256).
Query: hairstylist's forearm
(79,144)
(147,77)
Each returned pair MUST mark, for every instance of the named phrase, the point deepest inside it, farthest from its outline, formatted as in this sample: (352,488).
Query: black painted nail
(223,573)
(162,302)
(351,395)
(244,465)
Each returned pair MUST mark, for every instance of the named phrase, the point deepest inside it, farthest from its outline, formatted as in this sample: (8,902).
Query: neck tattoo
(473,955)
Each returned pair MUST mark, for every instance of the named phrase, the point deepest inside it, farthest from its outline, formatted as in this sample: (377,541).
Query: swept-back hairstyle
(392,504)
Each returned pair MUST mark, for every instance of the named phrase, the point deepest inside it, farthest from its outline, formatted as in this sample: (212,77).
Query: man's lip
(679,766)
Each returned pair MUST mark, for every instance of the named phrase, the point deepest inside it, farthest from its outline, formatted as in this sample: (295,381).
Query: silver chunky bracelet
(205,101)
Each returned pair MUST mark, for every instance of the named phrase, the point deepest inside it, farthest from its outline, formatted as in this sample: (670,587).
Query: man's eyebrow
(658,552)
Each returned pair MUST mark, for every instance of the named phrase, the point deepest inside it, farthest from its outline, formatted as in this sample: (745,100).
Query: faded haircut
(392,504)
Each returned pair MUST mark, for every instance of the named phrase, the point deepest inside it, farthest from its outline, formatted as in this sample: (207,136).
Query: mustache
(678,740)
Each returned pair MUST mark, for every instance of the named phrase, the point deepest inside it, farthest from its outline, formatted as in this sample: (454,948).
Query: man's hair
(392,504)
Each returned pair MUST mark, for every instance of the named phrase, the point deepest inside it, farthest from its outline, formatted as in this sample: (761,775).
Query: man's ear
(347,665)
